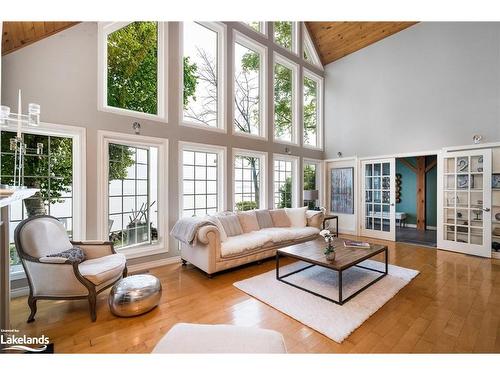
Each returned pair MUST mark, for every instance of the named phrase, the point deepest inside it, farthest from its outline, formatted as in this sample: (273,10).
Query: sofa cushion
(247,241)
(248,221)
(280,218)
(231,225)
(297,216)
(304,232)
(99,270)
(279,234)
(264,219)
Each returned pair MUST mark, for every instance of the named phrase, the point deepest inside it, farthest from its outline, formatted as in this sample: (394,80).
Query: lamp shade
(311,195)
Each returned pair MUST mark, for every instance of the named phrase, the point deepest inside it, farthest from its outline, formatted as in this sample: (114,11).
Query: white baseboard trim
(20,292)
(415,225)
(153,264)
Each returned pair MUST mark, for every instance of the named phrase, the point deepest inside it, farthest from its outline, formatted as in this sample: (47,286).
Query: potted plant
(330,249)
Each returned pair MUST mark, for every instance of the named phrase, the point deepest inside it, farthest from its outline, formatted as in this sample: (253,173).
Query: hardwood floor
(452,306)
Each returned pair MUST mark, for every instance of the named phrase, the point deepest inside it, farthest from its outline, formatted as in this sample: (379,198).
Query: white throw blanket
(186,228)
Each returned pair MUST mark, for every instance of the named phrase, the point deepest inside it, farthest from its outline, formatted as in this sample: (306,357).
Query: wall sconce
(287,151)
(339,154)
(476,138)
(137,128)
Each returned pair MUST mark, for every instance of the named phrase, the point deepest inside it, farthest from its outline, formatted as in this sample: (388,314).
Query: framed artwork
(495,181)
(342,190)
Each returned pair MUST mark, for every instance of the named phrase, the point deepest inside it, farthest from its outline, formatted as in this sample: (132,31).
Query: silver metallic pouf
(135,295)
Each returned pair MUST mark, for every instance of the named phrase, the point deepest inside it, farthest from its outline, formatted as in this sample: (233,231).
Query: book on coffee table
(356,244)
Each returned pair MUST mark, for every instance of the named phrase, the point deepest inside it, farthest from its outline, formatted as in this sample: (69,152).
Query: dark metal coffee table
(312,252)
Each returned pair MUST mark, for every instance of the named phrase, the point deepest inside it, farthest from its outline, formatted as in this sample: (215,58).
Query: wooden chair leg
(32,305)
(92,306)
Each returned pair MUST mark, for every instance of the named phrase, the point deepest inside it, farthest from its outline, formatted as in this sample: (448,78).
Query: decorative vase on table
(330,249)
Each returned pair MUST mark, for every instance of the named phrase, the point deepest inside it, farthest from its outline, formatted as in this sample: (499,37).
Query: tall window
(132,68)
(309,51)
(257,26)
(48,166)
(132,195)
(285,169)
(312,183)
(203,74)
(285,75)
(311,110)
(249,88)
(201,181)
(249,176)
(284,34)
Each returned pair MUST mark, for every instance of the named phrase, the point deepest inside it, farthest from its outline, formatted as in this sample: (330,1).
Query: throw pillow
(264,219)
(222,232)
(74,255)
(297,216)
(248,221)
(231,225)
(280,218)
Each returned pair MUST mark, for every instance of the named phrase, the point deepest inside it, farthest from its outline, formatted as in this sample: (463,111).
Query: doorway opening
(416,200)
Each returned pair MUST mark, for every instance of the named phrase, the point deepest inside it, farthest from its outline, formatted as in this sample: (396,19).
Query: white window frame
(319,177)
(295,177)
(251,44)
(295,39)
(263,28)
(78,135)
(104,138)
(221,31)
(279,59)
(319,129)
(221,152)
(263,173)
(308,46)
(103,30)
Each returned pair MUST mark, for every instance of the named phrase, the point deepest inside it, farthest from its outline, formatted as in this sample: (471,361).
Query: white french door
(378,214)
(464,202)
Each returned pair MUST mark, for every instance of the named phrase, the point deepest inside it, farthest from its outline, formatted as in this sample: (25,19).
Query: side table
(332,217)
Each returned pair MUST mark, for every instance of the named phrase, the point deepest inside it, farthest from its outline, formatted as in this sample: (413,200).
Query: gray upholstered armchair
(58,278)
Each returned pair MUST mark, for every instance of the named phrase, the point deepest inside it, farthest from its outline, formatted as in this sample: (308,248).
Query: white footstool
(203,338)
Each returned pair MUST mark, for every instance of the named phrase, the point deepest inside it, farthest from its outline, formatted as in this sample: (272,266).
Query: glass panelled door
(378,195)
(464,201)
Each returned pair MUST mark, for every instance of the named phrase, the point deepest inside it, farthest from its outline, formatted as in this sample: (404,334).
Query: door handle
(486,209)
(392,204)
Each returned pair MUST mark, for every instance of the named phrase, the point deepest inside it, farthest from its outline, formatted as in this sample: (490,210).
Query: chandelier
(16,144)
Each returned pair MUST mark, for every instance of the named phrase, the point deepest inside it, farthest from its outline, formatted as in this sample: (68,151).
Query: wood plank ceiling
(335,40)
(19,34)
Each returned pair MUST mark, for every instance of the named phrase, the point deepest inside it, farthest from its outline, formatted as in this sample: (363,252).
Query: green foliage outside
(310,110)
(283,90)
(283,34)
(246,205)
(309,177)
(285,193)
(133,67)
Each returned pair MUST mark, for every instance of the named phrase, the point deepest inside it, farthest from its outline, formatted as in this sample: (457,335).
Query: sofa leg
(184,262)
(32,305)
(92,306)
(210,275)
(125,272)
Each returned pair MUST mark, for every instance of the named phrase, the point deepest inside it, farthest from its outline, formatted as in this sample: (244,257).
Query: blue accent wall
(409,192)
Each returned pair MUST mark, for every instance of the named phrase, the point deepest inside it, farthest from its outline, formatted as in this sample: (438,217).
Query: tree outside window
(310,112)
(283,34)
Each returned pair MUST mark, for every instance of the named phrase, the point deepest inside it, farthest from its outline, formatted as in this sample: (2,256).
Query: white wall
(432,85)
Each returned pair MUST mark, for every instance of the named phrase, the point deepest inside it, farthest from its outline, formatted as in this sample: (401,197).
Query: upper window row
(133,79)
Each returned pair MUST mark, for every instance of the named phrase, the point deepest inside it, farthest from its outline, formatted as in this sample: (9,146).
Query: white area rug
(334,321)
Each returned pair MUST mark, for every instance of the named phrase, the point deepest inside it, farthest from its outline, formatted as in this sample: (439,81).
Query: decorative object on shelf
(495,181)
(310,197)
(495,246)
(497,216)
(476,138)
(480,164)
(463,229)
(342,190)
(478,214)
(459,215)
(453,200)
(462,164)
(496,232)
(330,249)
(462,181)
(398,187)
(17,143)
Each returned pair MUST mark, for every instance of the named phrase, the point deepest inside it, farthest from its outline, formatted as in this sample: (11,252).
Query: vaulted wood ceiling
(16,35)
(335,40)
